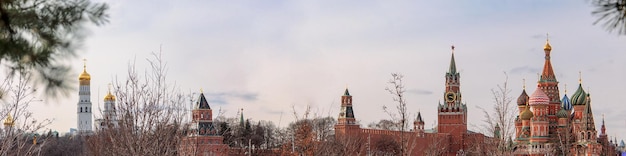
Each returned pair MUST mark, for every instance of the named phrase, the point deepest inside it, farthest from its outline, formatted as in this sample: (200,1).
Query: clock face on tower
(450,96)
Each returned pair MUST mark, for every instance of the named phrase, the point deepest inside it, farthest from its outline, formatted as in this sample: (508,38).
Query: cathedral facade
(550,125)
(451,136)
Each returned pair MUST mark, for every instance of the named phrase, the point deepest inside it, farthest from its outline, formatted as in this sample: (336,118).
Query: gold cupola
(9,121)
(547,46)
(109,96)
(84,75)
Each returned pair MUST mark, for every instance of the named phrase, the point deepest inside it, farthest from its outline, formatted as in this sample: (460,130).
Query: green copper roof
(452,65)
(579,97)
(241,118)
(419,117)
(562,113)
(202,102)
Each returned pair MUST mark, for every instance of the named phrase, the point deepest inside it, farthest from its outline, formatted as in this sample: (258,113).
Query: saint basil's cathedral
(548,124)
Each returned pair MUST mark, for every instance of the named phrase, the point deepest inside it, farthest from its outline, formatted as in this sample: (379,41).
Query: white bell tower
(83,111)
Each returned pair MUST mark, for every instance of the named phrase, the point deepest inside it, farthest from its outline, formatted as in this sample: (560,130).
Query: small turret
(418,125)
(522,100)
(562,113)
(526,114)
(346,114)
(580,96)
(588,122)
(9,122)
(566,104)
(496,131)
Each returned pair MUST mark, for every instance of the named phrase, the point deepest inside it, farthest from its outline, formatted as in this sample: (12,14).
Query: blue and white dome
(566,104)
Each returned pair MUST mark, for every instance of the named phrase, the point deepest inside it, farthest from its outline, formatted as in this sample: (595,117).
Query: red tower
(203,138)
(452,115)
(550,86)
(346,123)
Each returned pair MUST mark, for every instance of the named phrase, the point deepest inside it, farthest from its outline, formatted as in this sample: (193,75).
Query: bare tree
(436,147)
(384,124)
(150,114)
(19,136)
(503,115)
(400,115)
(565,139)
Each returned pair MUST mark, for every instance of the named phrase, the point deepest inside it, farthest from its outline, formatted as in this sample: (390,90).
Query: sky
(267,56)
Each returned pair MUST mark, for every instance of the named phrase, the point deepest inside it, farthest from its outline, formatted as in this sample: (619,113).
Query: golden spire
(565,88)
(201,91)
(524,84)
(84,75)
(547,46)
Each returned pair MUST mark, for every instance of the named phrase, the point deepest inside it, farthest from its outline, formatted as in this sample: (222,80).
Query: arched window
(582,135)
(81,109)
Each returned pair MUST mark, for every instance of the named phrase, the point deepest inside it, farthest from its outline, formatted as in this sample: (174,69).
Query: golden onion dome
(109,97)
(547,46)
(9,121)
(84,75)
(527,114)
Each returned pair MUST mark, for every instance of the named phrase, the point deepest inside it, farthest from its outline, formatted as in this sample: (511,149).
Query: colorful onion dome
(565,103)
(522,99)
(538,98)
(562,113)
(526,114)
(579,97)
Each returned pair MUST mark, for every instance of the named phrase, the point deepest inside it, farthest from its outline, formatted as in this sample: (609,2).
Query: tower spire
(419,116)
(452,69)
(588,122)
(241,117)
(603,128)
(548,73)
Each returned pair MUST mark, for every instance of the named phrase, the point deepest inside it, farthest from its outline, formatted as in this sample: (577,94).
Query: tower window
(81,109)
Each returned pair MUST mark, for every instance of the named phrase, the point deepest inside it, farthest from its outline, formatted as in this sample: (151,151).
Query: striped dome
(522,99)
(562,113)
(565,103)
(526,114)
(538,98)
(579,97)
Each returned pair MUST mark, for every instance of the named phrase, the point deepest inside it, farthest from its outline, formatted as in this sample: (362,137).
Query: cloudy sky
(266,56)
